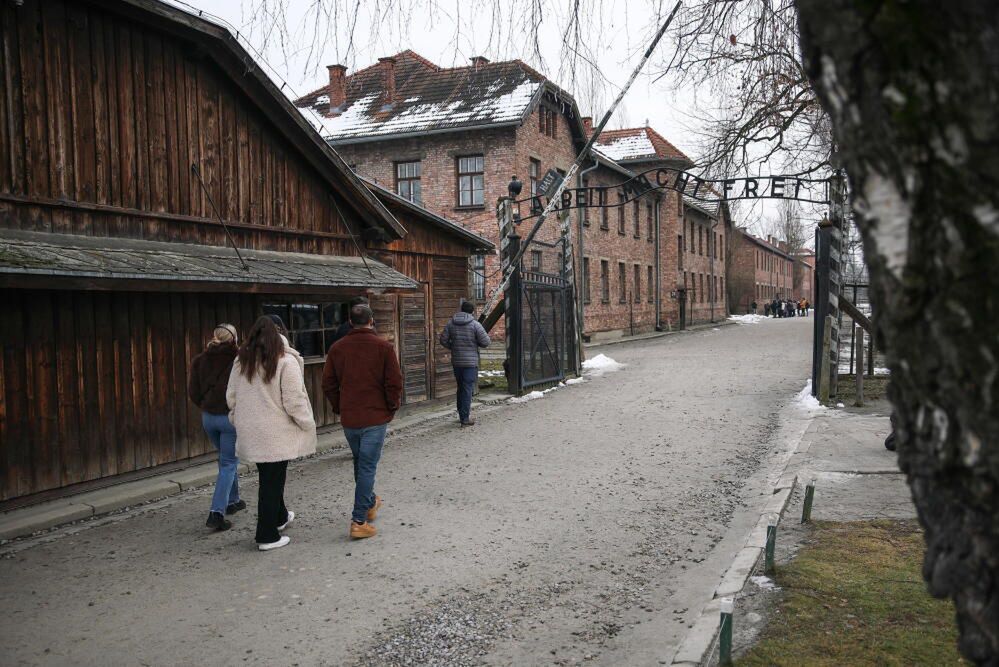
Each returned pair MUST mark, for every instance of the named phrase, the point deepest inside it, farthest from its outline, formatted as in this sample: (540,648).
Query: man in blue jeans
(363,382)
(464,336)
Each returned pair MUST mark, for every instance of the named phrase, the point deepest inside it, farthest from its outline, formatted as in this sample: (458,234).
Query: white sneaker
(275,545)
(291,517)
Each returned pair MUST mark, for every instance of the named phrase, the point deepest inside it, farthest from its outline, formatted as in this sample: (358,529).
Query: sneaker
(217,521)
(291,517)
(237,506)
(468,422)
(283,542)
(358,531)
(373,512)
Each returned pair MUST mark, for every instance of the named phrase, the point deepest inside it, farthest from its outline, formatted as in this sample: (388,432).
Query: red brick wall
(762,274)
(508,152)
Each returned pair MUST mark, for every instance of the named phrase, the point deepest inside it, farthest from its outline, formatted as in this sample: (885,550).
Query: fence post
(806,509)
(825,378)
(771,548)
(726,607)
(860,367)
(514,315)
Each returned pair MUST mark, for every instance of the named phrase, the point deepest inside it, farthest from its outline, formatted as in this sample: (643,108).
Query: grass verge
(495,381)
(854,595)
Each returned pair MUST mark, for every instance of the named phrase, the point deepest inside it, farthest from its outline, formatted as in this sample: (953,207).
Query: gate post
(514,326)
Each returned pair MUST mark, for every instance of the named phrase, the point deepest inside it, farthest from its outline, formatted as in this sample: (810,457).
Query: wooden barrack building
(114,267)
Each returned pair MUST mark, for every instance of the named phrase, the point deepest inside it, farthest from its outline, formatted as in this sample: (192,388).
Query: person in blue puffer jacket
(464,336)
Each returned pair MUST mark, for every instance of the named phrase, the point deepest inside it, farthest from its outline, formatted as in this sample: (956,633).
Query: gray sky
(455,30)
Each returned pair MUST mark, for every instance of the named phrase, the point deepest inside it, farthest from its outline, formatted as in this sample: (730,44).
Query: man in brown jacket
(363,382)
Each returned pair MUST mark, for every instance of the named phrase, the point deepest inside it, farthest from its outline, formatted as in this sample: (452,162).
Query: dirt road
(585,527)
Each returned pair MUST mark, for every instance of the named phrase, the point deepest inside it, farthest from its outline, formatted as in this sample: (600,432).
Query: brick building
(450,139)
(804,275)
(760,270)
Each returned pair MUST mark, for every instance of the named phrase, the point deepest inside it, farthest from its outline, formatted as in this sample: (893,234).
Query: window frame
(604,281)
(620,215)
(534,176)
(477,280)
(459,175)
(637,218)
(285,310)
(637,296)
(622,277)
(586,280)
(650,289)
(409,179)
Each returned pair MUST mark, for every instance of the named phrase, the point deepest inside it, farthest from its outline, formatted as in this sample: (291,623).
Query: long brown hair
(264,346)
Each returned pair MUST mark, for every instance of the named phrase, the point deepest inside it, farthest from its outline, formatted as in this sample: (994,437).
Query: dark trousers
(271,511)
(466,378)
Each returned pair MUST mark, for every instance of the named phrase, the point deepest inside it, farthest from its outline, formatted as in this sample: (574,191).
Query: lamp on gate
(513,189)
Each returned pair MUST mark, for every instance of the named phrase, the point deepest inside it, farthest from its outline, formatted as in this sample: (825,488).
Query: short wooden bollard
(725,632)
(806,510)
(768,554)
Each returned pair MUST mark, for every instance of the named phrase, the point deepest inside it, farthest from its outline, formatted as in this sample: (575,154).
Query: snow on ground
(766,583)
(571,381)
(490,374)
(747,319)
(805,400)
(534,395)
(881,371)
(601,364)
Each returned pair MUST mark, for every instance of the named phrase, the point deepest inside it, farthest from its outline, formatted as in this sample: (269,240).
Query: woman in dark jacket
(208,380)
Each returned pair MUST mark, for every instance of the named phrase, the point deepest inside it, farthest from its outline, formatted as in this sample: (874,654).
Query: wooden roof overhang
(211,39)
(43,260)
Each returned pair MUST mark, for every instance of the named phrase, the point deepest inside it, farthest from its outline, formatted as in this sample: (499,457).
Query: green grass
(496,383)
(874,388)
(854,595)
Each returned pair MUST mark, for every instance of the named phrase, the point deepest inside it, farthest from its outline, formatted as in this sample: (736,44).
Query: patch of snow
(323,99)
(411,99)
(490,374)
(805,400)
(881,371)
(601,364)
(749,318)
(988,216)
(533,396)
(840,405)
(628,147)
(572,381)
(765,583)
(892,214)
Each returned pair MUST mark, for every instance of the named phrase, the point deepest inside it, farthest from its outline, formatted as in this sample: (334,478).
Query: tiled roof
(44,254)
(428,99)
(766,245)
(638,144)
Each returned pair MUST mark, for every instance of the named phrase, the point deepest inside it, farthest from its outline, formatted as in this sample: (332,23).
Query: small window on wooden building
(311,326)
(478,278)
(407,181)
(470,180)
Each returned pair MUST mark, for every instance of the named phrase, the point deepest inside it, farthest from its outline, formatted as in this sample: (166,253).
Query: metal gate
(541,342)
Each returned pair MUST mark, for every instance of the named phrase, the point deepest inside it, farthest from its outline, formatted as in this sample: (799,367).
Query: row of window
(704,239)
(769,292)
(622,282)
(704,288)
(768,262)
(469,183)
(622,226)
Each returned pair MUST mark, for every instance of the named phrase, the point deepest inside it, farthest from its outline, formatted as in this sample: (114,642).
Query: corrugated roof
(40,253)
(638,144)
(427,99)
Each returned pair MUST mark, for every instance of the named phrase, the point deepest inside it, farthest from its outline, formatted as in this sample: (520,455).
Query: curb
(660,334)
(696,646)
(33,519)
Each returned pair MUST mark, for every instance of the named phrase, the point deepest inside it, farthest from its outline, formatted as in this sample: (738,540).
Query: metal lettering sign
(549,184)
(811,190)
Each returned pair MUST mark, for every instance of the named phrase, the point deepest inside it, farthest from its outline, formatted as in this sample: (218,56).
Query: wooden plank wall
(449,286)
(101,119)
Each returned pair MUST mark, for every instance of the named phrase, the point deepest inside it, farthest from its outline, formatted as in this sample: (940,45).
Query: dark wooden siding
(101,120)
(450,285)
(413,354)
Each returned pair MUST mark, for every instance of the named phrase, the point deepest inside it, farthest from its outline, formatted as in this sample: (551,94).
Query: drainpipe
(580,215)
(657,252)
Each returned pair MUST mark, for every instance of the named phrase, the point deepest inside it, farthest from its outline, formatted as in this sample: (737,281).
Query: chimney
(588,125)
(479,61)
(338,89)
(388,79)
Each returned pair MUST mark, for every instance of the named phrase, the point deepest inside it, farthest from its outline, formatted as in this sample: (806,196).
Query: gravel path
(583,528)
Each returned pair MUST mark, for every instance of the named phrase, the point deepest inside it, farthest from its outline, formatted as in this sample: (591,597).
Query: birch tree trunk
(913,91)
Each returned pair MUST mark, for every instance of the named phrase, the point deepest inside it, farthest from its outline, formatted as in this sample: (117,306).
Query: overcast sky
(454,30)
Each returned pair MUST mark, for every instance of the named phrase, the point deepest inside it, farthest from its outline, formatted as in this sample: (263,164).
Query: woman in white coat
(272,414)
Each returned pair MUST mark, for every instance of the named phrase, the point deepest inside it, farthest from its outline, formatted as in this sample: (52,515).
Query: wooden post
(824,378)
(859,372)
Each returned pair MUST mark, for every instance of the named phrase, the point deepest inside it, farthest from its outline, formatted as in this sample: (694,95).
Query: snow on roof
(427,98)
(638,144)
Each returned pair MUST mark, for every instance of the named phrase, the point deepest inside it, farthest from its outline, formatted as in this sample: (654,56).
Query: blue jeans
(366,447)
(223,435)
(466,378)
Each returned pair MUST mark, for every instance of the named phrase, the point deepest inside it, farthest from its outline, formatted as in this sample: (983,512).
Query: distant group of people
(255,407)
(783,308)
